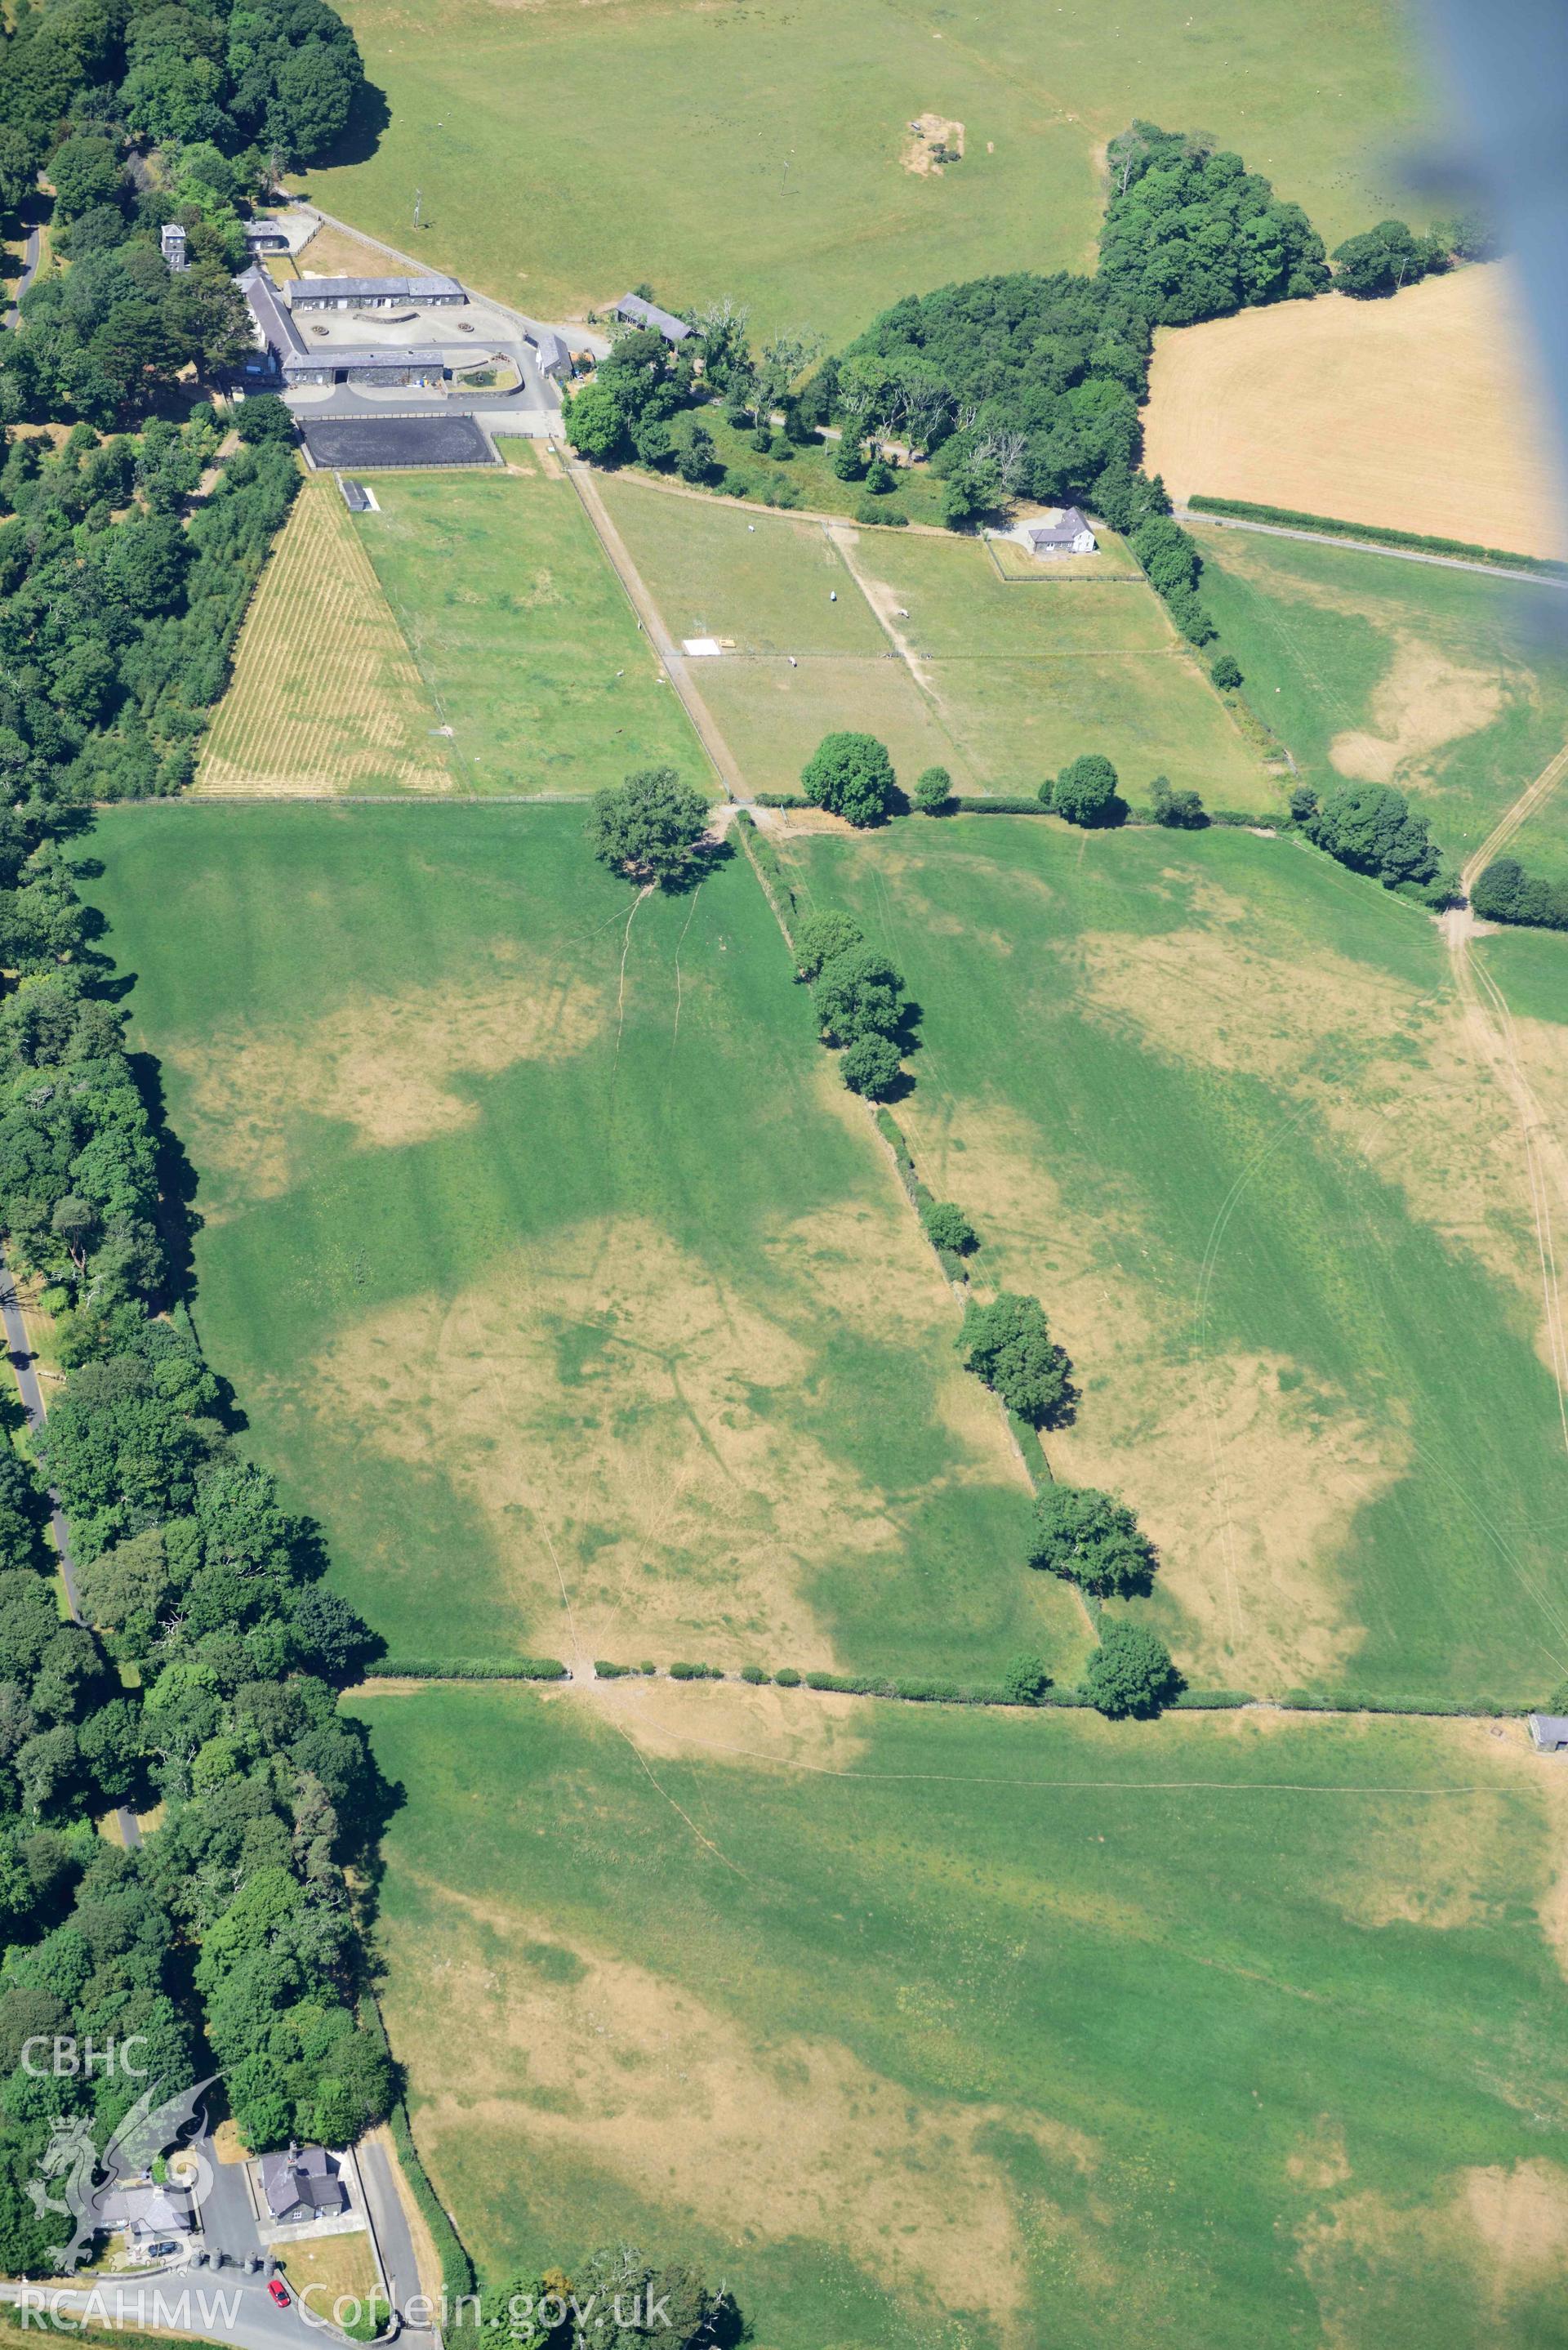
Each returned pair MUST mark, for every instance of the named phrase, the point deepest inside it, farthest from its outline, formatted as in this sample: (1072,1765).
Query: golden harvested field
(1419,413)
(325,697)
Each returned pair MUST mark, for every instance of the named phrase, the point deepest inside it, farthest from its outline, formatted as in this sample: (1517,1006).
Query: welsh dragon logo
(85,2178)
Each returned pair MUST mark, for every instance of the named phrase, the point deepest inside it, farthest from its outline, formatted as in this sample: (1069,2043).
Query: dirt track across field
(1416,413)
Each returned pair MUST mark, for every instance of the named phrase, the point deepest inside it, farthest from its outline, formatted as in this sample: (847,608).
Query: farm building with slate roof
(639,313)
(373,293)
(284,352)
(555,358)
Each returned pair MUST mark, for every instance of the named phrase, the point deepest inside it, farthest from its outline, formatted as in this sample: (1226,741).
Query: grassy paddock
(943,2029)
(559,1275)
(1212,1099)
(523,633)
(536,136)
(928,648)
(324,697)
(1443,683)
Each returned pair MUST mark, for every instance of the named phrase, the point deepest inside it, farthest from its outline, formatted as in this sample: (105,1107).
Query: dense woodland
(141,114)
(206,1676)
(121,593)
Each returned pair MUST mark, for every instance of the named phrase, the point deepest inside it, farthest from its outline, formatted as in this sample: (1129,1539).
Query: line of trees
(206,1673)
(1085,1536)
(121,595)
(858,995)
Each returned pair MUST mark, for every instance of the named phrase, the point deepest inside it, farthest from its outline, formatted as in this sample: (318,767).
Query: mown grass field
(326,696)
(523,633)
(917,639)
(1212,1099)
(557,1273)
(993,2031)
(1446,683)
(541,139)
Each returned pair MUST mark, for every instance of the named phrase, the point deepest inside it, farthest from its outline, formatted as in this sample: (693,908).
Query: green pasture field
(763,579)
(773,717)
(1444,682)
(1004,683)
(952,2029)
(558,1274)
(956,605)
(1540,843)
(1531,969)
(541,140)
(1213,1101)
(522,634)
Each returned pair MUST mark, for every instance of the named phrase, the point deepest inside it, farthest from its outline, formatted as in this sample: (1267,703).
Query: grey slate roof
(640,313)
(553,351)
(307,290)
(1061,532)
(305,2175)
(277,328)
(143,2209)
(355,496)
(1549,1731)
(294,352)
(371,355)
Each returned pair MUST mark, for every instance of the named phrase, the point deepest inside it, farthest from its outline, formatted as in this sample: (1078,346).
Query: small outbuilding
(639,313)
(265,236)
(1549,1733)
(551,353)
(355,496)
(1068,535)
(306,2183)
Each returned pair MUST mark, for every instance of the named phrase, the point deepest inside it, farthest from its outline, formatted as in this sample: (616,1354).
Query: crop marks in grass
(593,1301)
(1437,681)
(848,2090)
(325,697)
(1210,1099)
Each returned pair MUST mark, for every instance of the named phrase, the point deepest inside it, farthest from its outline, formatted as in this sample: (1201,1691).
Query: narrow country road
(25,1365)
(1371,546)
(1489,1023)
(399,2259)
(29,271)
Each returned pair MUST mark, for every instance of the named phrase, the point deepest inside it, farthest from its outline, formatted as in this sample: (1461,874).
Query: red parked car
(278,2291)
